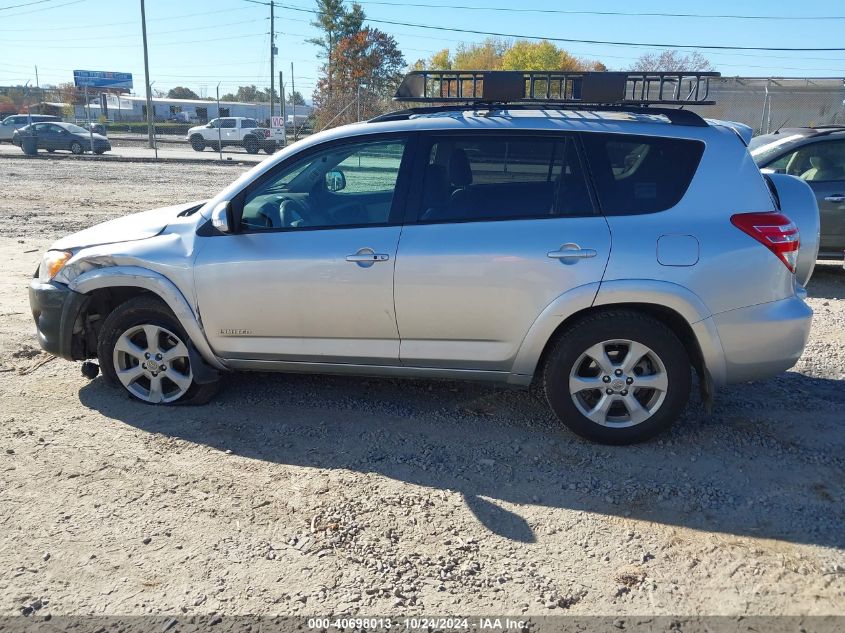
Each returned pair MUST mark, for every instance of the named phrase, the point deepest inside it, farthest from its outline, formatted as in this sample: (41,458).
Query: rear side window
(227,123)
(641,174)
(478,178)
(249,123)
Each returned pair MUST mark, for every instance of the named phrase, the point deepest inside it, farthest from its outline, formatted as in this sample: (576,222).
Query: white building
(130,108)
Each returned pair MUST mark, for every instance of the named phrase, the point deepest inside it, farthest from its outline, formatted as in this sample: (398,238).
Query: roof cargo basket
(556,88)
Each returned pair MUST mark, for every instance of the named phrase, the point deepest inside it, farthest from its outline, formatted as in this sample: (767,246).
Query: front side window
(502,177)
(342,186)
(640,174)
(815,162)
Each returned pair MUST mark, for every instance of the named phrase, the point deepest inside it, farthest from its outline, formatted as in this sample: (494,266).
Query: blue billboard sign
(101,79)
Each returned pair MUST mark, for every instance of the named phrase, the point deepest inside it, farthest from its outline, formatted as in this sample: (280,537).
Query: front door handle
(367,257)
(572,251)
(836,198)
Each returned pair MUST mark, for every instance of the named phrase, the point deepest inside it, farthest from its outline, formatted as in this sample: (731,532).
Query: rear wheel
(143,348)
(76,148)
(251,145)
(197,143)
(618,377)
(50,151)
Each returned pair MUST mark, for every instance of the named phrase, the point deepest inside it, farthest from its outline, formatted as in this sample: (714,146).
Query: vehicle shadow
(767,463)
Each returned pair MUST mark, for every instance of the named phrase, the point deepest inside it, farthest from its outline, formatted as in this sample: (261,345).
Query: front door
(505,224)
(309,275)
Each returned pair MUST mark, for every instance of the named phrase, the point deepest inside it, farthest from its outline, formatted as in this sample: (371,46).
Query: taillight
(775,231)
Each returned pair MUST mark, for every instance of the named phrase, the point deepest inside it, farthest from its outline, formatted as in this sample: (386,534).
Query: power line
(604,13)
(55,6)
(25,4)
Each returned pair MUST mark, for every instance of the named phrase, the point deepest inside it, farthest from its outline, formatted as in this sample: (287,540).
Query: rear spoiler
(743,131)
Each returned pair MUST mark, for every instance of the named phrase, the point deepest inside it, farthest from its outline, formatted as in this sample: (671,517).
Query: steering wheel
(292,212)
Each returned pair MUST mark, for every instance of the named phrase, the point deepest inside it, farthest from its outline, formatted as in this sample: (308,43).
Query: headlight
(51,264)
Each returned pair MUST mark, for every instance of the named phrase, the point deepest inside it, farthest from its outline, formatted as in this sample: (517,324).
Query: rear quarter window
(640,174)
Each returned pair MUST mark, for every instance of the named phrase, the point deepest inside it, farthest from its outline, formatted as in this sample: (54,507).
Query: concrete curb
(129,159)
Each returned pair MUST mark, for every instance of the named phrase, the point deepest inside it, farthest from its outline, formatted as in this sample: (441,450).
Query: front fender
(137,277)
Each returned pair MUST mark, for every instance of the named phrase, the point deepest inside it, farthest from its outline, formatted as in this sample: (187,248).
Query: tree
(543,55)
(336,23)
(672,61)
(296,98)
(441,60)
(180,92)
(484,56)
(369,60)
(248,94)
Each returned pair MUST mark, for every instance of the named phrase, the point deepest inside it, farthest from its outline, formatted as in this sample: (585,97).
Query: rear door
(821,164)
(500,225)
(229,131)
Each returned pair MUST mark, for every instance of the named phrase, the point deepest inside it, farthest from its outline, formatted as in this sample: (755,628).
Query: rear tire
(197,143)
(251,145)
(50,151)
(617,377)
(76,148)
(143,349)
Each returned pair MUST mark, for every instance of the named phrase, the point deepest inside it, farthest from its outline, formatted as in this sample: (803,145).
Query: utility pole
(293,105)
(272,54)
(38,85)
(150,136)
(282,109)
(219,132)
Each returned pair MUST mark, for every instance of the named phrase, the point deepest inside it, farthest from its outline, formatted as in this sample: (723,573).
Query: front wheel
(76,148)
(197,143)
(617,377)
(143,348)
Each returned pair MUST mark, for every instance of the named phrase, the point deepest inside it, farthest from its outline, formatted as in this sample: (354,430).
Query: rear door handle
(572,251)
(838,198)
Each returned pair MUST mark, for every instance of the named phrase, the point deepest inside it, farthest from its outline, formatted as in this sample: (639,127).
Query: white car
(17,121)
(232,130)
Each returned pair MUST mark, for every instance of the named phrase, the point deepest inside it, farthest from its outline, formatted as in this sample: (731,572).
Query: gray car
(63,136)
(816,156)
(601,255)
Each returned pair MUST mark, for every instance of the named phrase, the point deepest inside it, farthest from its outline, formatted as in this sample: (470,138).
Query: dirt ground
(329,495)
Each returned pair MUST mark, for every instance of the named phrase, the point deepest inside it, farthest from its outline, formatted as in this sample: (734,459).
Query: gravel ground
(329,495)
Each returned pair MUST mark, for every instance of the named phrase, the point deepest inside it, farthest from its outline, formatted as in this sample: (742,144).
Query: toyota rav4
(601,254)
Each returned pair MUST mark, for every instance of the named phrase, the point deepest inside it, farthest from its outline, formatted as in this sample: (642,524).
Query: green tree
(484,56)
(180,92)
(335,22)
(543,55)
(296,98)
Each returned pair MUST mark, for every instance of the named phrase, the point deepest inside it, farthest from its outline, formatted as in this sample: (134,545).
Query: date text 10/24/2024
(418,623)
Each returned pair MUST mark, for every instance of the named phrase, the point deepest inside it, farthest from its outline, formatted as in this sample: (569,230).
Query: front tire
(76,148)
(617,377)
(197,143)
(143,349)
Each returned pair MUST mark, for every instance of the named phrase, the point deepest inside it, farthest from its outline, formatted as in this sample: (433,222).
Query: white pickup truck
(233,130)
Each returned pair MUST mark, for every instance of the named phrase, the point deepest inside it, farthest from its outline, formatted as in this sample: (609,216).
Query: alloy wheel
(153,363)
(618,383)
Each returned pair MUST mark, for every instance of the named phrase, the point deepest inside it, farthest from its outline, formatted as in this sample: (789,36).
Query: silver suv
(601,255)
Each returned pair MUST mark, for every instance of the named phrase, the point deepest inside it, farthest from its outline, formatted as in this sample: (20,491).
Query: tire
(270,147)
(632,348)
(127,355)
(197,143)
(99,152)
(76,148)
(50,151)
(251,145)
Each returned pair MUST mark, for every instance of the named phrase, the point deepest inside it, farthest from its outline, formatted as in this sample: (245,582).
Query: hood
(137,226)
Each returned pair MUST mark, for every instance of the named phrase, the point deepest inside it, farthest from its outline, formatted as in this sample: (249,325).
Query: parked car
(816,156)
(462,242)
(17,121)
(63,136)
(227,131)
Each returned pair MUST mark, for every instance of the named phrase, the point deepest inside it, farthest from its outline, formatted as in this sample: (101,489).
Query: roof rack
(557,87)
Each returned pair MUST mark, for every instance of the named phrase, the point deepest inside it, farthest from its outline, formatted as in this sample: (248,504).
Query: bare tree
(672,61)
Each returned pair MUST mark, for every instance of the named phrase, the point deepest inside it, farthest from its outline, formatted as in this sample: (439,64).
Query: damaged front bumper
(56,309)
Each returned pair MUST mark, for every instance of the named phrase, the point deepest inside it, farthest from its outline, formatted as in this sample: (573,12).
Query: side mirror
(335,180)
(221,217)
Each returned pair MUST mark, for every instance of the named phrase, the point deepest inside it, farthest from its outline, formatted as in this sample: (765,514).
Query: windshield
(765,151)
(75,129)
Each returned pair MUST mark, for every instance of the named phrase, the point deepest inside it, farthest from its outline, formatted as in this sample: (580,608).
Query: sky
(200,43)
